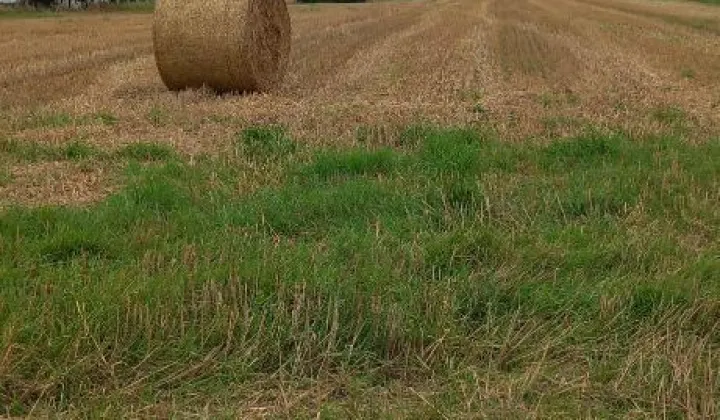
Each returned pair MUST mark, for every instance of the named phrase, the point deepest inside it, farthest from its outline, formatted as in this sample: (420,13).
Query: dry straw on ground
(226,45)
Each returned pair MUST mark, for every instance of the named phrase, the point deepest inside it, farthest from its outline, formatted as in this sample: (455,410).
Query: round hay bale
(226,45)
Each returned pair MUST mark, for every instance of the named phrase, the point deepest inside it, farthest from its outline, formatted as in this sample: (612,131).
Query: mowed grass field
(450,209)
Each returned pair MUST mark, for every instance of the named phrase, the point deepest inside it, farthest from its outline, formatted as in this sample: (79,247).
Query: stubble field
(527,69)
(450,208)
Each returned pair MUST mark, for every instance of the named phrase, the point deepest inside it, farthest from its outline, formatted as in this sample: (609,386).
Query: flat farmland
(448,209)
(527,69)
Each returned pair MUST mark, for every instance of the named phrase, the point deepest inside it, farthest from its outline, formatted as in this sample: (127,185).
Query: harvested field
(448,209)
(523,68)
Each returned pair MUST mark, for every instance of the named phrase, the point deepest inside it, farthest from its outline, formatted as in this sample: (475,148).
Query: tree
(41,3)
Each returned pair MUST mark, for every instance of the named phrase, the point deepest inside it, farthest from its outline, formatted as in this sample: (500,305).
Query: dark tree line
(331,1)
(80,3)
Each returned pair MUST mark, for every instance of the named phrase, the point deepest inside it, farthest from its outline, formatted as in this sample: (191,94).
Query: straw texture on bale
(226,45)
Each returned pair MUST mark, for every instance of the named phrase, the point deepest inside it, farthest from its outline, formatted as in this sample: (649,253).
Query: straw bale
(226,45)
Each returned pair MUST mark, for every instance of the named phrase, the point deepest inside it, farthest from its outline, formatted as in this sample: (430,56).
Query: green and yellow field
(450,209)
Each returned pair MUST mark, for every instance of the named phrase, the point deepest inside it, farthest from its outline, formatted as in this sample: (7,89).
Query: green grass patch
(158,116)
(104,118)
(688,73)
(147,152)
(331,164)
(47,120)
(670,115)
(36,152)
(265,143)
(5,177)
(40,120)
(78,150)
(451,258)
